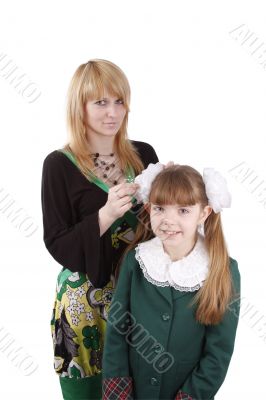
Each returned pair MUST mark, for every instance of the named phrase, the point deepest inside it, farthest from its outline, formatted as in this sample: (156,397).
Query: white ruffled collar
(186,275)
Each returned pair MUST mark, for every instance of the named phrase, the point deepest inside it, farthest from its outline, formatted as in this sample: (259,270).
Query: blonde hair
(90,81)
(181,184)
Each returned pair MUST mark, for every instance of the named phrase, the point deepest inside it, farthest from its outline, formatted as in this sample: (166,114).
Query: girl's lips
(170,232)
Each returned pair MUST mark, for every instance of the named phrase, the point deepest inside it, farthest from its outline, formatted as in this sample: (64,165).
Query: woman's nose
(111,111)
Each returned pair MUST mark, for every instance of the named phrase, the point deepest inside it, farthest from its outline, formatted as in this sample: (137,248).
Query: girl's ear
(207,210)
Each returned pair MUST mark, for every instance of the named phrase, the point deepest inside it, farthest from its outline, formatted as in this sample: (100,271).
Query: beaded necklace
(109,171)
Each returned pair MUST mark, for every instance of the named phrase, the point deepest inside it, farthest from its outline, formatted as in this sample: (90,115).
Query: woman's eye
(119,101)
(101,102)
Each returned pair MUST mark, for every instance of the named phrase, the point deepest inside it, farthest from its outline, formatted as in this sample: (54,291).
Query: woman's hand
(118,203)
(169,164)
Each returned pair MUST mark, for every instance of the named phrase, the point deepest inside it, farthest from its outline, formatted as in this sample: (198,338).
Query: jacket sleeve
(206,379)
(116,371)
(75,246)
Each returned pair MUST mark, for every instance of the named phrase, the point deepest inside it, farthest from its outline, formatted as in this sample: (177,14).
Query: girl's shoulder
(235,274)
(233,265)
(130,260)
(130,264)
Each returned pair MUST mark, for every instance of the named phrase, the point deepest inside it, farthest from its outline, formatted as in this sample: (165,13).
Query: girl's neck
(178,252)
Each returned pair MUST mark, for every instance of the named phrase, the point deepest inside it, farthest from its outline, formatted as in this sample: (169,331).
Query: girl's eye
(119,101)
(183,211)
(158,208)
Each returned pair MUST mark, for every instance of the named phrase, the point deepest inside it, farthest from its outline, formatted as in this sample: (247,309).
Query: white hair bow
(217,191)
(145,179)
(215,185)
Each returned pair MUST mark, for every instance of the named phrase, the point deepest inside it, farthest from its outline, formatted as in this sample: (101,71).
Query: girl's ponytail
(215,294)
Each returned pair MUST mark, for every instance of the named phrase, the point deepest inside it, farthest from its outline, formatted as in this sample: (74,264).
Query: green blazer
(153,337)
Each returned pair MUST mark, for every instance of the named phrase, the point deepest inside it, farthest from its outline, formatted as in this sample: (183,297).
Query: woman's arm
(76,246)
(206,379)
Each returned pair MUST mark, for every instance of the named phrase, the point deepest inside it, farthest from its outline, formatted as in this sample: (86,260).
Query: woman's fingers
(125,189)
(119,198)
(169,164)
(125,207)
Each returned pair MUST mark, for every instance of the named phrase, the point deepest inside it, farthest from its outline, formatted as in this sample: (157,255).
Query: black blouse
(70,205)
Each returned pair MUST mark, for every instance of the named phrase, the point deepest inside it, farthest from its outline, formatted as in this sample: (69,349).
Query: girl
(173,318)
(86,198)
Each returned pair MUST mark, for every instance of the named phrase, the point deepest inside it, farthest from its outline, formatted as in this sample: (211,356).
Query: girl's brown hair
(89,82)
(181,184)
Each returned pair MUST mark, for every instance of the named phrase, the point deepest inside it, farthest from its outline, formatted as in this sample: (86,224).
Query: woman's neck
(101,144)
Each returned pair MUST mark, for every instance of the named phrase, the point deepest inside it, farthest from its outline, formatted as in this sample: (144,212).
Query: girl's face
(104,116)
(177,225)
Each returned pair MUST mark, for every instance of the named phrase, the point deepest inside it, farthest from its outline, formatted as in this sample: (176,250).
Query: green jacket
(152,336)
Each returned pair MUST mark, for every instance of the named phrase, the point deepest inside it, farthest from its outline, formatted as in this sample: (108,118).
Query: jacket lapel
(170,294)
(177,294)
(165,292)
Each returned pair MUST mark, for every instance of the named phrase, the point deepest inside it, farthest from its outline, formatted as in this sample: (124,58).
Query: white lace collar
(186,275)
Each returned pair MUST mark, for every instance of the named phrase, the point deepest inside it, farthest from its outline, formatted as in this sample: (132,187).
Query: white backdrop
(197,71)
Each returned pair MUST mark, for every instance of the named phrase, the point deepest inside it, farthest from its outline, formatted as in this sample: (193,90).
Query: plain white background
(198,96)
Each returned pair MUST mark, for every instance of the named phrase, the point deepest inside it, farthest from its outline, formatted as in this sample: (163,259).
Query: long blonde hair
(90,81)
(181,184)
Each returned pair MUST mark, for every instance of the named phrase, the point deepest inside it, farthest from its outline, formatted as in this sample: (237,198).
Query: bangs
(171,188)
(98,82)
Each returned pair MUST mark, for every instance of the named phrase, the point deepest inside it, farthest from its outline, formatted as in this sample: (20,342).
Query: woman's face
(104,116)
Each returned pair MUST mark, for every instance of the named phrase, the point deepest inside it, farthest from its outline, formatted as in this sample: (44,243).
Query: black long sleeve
(70,206)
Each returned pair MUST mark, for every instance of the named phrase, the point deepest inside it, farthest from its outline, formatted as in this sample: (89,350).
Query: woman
(89,218)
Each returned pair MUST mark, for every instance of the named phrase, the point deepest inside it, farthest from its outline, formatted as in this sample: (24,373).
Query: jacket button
(166,317)
(154,381)
(158,348)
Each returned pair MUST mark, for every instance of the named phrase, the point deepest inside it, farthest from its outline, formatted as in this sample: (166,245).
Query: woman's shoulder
(141,145)
(57,168)
(146,151)
(58,163)
(54,158)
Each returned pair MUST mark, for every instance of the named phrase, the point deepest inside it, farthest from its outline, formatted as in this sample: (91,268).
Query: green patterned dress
(79,320)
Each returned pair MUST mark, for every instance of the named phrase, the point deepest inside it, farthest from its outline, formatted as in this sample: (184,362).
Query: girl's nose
(170,220)
(170,217)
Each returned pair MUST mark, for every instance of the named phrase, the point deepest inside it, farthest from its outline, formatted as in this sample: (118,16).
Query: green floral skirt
(78,327)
